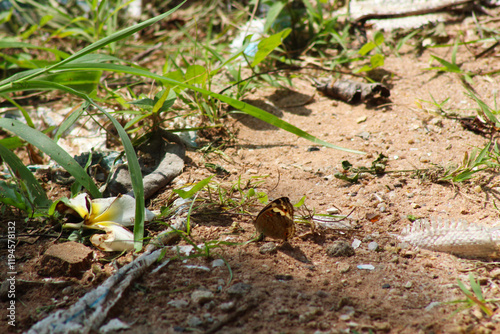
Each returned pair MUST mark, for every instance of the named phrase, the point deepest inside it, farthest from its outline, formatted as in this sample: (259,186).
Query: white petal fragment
(116,239)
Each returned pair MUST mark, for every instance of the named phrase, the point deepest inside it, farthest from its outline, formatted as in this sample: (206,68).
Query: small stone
(322,294)
(364,135)
(179,303)
(356,243)
(340,248)
(382,207)
(408,285)
(194,321)
(70,259)
(415,205)
(386,286)
(478,189)
(227,307)
(239,289)
(424,158)
(200,297)
(67,290)
(283,277)
(332,211)
(268,248)
(313,149)
(382,326)
(495,273)
(361,119)
(217,263)
(373,246)
(410,195)
(343,267)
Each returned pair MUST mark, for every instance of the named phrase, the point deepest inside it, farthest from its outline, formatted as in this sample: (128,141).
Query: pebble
(410,195)
(239,289)
(312,149)
(217,263)
(424,158)
(340,248)
(268,248)
(373,246)
(386,286)
(322,294)
(495,273)
(408,285)
(201,296)
(194,321)
(415,205)
(332,211)
(382,207)
(179,303)
(356,243)
(343,267)
(382,326)
(310,315)
(227,307)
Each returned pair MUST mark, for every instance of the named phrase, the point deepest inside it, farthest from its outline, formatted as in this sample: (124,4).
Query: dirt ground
(299,288)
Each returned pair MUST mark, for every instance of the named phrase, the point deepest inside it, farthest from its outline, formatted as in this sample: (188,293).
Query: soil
(299,288)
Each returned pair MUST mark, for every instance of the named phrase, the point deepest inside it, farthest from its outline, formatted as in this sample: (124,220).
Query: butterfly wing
(276,220)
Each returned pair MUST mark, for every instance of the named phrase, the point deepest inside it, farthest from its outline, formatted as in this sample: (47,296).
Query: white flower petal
(80,204)
(121,210)
(117,238)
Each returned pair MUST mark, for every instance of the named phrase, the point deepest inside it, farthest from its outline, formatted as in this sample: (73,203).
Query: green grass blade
(119,35)
(242,106)
(197,187)
(36,191)
(49,147)
(136,179)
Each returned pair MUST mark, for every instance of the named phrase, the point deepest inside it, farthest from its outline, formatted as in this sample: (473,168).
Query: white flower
(108,214)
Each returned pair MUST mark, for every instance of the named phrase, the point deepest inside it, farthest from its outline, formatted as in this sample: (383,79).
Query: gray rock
(373,246)
(194,321)
(227,307)
(200,297)
(268,248)
(179,303)
(217,263)
(340,248)
(239,289)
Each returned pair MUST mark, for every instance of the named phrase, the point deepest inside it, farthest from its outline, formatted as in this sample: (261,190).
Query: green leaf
(194,189)
(49,147)
(196,74)
(378,38)
(273,13)
(300,202)
(267,45)
(69,121)
(165,101)
(447,65)
(365,49)
(377,60)
(33,187)
(83,81)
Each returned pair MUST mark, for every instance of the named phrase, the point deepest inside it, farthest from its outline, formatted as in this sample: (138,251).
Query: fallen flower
(108,214)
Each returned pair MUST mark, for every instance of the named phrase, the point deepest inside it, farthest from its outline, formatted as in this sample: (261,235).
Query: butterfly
(276,220)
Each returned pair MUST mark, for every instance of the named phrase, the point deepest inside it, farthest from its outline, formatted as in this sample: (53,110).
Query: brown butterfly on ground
(276,220)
